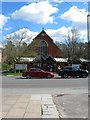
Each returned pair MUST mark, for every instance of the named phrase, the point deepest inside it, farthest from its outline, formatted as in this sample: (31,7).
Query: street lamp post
(88,34)
(88,29)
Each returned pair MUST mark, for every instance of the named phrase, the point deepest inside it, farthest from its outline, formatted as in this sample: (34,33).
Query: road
(51,86)
(19,82)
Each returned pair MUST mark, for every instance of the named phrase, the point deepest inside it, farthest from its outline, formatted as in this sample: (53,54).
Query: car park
(72,71)
(37,72)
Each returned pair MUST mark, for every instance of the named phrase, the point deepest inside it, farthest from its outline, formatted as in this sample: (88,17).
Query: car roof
(35,68)
(68,67)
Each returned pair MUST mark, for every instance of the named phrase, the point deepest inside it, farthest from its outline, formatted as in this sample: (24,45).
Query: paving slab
(48,107)
(23,100)
(36,109)
(54,110)
(32,115)
(16,113)
(0,115)
(20,105)
(29,106)
(34,102)
(50,116)
(4,98)
(9,102)
(6,108)
(35,97)
(3,114)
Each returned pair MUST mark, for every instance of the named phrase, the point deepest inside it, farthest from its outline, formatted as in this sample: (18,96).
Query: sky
(55,17)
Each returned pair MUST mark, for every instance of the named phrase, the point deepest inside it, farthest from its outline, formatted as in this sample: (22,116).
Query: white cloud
(41,12)
(24,32)
(55,34)
(3,20)
(74,14)
(78,17)
(1,45)
(7,28)
(58,34)
(59,1)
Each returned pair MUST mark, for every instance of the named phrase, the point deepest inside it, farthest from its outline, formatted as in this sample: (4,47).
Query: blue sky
(55,17)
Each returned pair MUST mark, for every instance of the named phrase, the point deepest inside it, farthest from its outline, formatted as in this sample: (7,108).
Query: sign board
(20,66)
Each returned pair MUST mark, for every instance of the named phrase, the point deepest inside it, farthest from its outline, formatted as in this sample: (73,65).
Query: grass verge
(12,74)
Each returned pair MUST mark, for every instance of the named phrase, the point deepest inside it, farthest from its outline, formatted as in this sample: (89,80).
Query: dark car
(37,72)
(71,71)
(11,70)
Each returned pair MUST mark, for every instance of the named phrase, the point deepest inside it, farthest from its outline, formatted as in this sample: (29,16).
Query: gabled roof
(41,59)
(45,34)
(49,57)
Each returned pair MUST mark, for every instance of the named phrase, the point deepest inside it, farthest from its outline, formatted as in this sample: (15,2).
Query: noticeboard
(20,66)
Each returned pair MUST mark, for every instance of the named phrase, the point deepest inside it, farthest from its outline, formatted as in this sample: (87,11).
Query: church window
(43,48)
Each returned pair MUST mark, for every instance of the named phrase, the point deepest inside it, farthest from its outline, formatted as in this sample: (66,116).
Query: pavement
(29,106)
(44,106)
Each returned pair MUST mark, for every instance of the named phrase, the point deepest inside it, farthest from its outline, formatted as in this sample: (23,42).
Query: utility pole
(88,29)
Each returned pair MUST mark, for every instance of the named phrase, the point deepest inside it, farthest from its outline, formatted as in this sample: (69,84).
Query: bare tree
(71,45)
(18,38)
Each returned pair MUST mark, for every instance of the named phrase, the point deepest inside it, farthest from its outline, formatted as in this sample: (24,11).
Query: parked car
(11,70)
(37,72)
(71,71)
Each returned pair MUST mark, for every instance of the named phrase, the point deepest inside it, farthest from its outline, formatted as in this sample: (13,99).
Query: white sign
(20,66)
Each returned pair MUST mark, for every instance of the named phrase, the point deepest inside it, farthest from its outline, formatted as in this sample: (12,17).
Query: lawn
(12,74)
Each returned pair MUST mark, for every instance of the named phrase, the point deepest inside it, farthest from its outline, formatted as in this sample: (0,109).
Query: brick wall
(53,49)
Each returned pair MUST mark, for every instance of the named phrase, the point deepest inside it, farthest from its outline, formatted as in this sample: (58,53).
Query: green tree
(10,52)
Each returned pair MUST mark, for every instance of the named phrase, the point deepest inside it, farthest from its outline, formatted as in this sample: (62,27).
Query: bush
(5,67)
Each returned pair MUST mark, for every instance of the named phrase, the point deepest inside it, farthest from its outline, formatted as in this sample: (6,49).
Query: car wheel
(84,75)
(65,75)
(48,76)
(28,76)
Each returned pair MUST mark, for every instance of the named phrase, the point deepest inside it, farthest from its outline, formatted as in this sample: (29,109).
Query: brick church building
(42,53)
(46,45)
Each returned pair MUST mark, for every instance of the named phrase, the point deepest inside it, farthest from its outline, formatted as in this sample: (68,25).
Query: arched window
(43,48)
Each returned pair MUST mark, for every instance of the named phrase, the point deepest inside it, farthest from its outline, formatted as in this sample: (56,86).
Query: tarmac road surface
(20,85)
(72,105)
